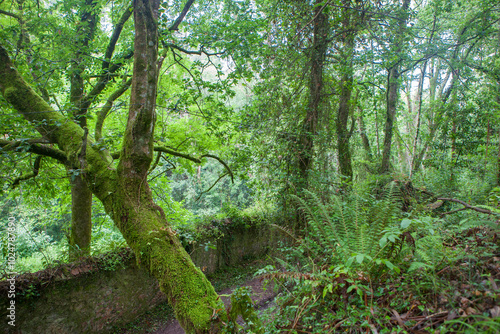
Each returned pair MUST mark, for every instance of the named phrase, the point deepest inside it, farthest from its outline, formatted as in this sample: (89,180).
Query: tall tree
(124,191)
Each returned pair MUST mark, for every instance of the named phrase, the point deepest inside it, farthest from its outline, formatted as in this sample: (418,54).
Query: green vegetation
(367,132)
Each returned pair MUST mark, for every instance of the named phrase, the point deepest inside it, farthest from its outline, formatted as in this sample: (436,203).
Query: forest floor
(161,320)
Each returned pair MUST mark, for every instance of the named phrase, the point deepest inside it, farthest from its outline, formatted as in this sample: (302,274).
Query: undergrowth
(363,265)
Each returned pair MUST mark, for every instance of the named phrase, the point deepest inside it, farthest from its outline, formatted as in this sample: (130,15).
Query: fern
(350,228)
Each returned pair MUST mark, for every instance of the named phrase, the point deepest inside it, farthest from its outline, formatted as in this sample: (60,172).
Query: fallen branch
(466,206)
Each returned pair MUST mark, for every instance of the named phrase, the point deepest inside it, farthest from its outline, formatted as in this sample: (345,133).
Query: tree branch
(178,21)
(30,175)
(466,206)
(17,17)
(103,113)
(213,185)
(99,87)
(222,162)
(191,52)
(170,151)
(116,34)
(33,147)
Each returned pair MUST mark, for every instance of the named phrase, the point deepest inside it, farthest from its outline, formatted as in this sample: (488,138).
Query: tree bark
(81,218)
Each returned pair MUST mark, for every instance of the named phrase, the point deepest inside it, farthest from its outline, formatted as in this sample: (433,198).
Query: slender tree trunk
(310,123)
(364,138)
(393,90)
(81,196)
(346,85)
(419,113)
(391,101)
(349,27)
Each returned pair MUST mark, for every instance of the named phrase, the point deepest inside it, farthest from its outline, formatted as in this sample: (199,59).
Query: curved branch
(17,17)
(30,175)
(188,157)
(213,185)
(222,162)
(177,154)
(157,161)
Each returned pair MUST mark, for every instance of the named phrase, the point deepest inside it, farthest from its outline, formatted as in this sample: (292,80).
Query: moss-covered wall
(95,295)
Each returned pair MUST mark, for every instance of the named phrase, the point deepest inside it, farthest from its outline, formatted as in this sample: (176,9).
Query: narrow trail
(262,296)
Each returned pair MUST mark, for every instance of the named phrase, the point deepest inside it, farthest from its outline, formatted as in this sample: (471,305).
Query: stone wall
(94,295)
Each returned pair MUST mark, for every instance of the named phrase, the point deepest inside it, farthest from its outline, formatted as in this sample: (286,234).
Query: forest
(365,132)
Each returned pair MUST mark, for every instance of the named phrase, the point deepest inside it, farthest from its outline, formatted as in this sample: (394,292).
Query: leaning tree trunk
(124,192)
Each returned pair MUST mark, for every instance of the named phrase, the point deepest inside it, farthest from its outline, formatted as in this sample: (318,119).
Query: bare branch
(213,185)
(222,162)
(191,52)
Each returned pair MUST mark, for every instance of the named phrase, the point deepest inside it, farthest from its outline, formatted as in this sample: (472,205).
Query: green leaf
(405,223)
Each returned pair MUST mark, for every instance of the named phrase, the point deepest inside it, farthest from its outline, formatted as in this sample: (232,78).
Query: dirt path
(262,297)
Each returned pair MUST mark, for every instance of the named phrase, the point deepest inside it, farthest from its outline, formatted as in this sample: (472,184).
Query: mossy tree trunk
(124,191)
(81,218)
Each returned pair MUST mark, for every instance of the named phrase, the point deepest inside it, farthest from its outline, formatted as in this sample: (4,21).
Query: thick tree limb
(33,147)
(466,206)
(30,175)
